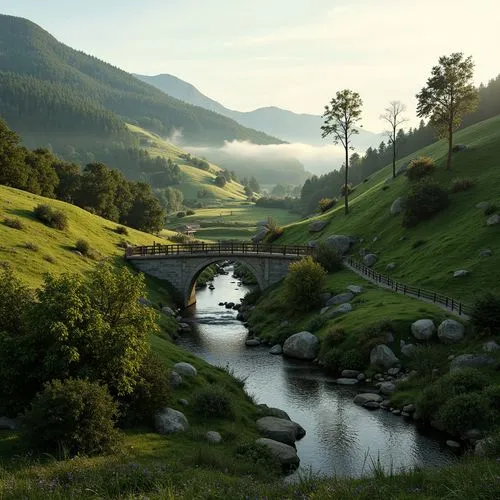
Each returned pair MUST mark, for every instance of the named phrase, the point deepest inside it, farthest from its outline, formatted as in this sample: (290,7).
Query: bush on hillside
(316,323)
(492,393)
(212,402)
(181,214)
(461,184)
(51,217)
(325,204)
(304,283)
(425,200)
(425,359)
(190,212)
(485,315)
(328,257)
(420,168)
(121,230)
(333,338)
(151,394)
(13,223)
(429,401)
(15,302)
(374,335)
(220,181)
(29,245)
(464,412)
(83,246)
(74,416)
(332,359)
(418,243)
(463,381)
(274,234)
(353,359)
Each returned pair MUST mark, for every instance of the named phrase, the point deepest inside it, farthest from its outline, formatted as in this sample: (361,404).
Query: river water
(341,438)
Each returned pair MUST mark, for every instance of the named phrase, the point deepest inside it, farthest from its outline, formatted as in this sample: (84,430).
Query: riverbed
(342,438)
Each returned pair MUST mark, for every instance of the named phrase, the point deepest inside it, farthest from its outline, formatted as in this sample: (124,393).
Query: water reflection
(341,438)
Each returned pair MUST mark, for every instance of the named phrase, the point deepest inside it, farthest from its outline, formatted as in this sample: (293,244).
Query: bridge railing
(220,248)
(448,302)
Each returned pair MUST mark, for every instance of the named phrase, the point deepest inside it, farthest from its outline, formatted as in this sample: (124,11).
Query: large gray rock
(493,220)
(269,411)
(280,429)
(317,226)
(370,259)
(341,242)
(252,342)
(286,454)
(340,299)
(347,381)
(169,421)
(387,387)
(302,345)
(8,424)
(451,331)
(276,349)
(423,329)
(483,205)
(185,369)
(391,266)
(213,437)
(397,206)
(167,311)
(325,297)
(383,356)
(361,399)
(490,346)
(355,289)
(350,373)
(471,361)
(337,311)
(174,379)
(461,273)
(482,448)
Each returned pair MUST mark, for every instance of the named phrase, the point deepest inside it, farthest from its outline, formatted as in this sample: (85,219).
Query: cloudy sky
(289,53)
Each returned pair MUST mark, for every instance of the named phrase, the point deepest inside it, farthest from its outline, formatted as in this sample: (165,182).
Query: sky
(294,54)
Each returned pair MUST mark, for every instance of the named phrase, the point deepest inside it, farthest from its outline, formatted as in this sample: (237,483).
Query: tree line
(97,188)
(450,102)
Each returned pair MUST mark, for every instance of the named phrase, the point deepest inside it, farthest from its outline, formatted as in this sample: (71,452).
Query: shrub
(83,246)
(151,394)
(463,381)
(273,234)
(29,245)
(430,400)
(420,168)
(326,203)
(121,230)
(13,223)
(374,335)
(492,394)
(73,415)
(304,283)
(333,338)
(485,315)
(353,359)
(461,184)
(181,238)
(51,217)
(220,181)
(385,188)
(332,358)
(181,214)
(190,212)
(464,412)
(424,201)
(490,209)
(212,402)
(50,259)
(328,257)
(426,359)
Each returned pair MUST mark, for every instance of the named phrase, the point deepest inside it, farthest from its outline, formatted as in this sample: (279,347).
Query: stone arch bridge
(181,264)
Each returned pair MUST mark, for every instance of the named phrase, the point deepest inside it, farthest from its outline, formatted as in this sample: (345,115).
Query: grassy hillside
(53,250)
(430,252)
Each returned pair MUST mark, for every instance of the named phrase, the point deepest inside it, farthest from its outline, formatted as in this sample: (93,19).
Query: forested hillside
(52,93)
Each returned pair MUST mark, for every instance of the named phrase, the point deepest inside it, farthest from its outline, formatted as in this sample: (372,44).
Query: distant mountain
(52,93)
(287,125)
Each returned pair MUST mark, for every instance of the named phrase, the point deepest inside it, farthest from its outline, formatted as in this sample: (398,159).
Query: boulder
(411,408)
(229,305)
(366,397)
(280,429)
(186,369)
(391,266)
(302,345)
(361,377)
(397,206)
(461,273)
(371,405)
(347,381)
(350,373)
(493,220)
(485,253)
(490,346)
(423,329)
(471,361)
(169,421)
(213,437)
(269,411)
(370,259)
(286,454)
(341,242)
(8,424)
(252,342)
(324,310)
(383,356)
(451,331)
(184,327)
(472,435)
(184,402)
(482,447)
(482,205)
(174,379)
(167,311)
(337,311)
(261,234)
(276,349)
(356,290)
(340,299)
(394,371)
(317,226)
(387,387)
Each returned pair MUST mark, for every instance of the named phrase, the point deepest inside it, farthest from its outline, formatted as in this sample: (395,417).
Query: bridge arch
(189,291)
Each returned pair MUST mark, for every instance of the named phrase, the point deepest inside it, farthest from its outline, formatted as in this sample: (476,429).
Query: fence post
(460,309)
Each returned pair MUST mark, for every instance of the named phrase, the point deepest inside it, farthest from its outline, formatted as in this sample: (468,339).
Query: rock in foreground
(169,421)
(279,429)
(302,345)
(286,454)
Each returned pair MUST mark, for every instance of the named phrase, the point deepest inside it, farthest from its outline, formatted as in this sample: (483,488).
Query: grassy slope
(193,179)
(453,238)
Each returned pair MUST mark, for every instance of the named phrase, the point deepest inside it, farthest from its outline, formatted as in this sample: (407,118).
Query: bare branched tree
(394,116)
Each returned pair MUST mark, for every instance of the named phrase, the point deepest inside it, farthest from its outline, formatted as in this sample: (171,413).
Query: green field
(450,241)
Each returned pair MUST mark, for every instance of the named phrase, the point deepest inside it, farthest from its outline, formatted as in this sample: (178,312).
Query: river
(342,438)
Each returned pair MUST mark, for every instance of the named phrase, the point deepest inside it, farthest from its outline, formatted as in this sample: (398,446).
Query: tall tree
(393,115)
(448,95)
(340,121)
